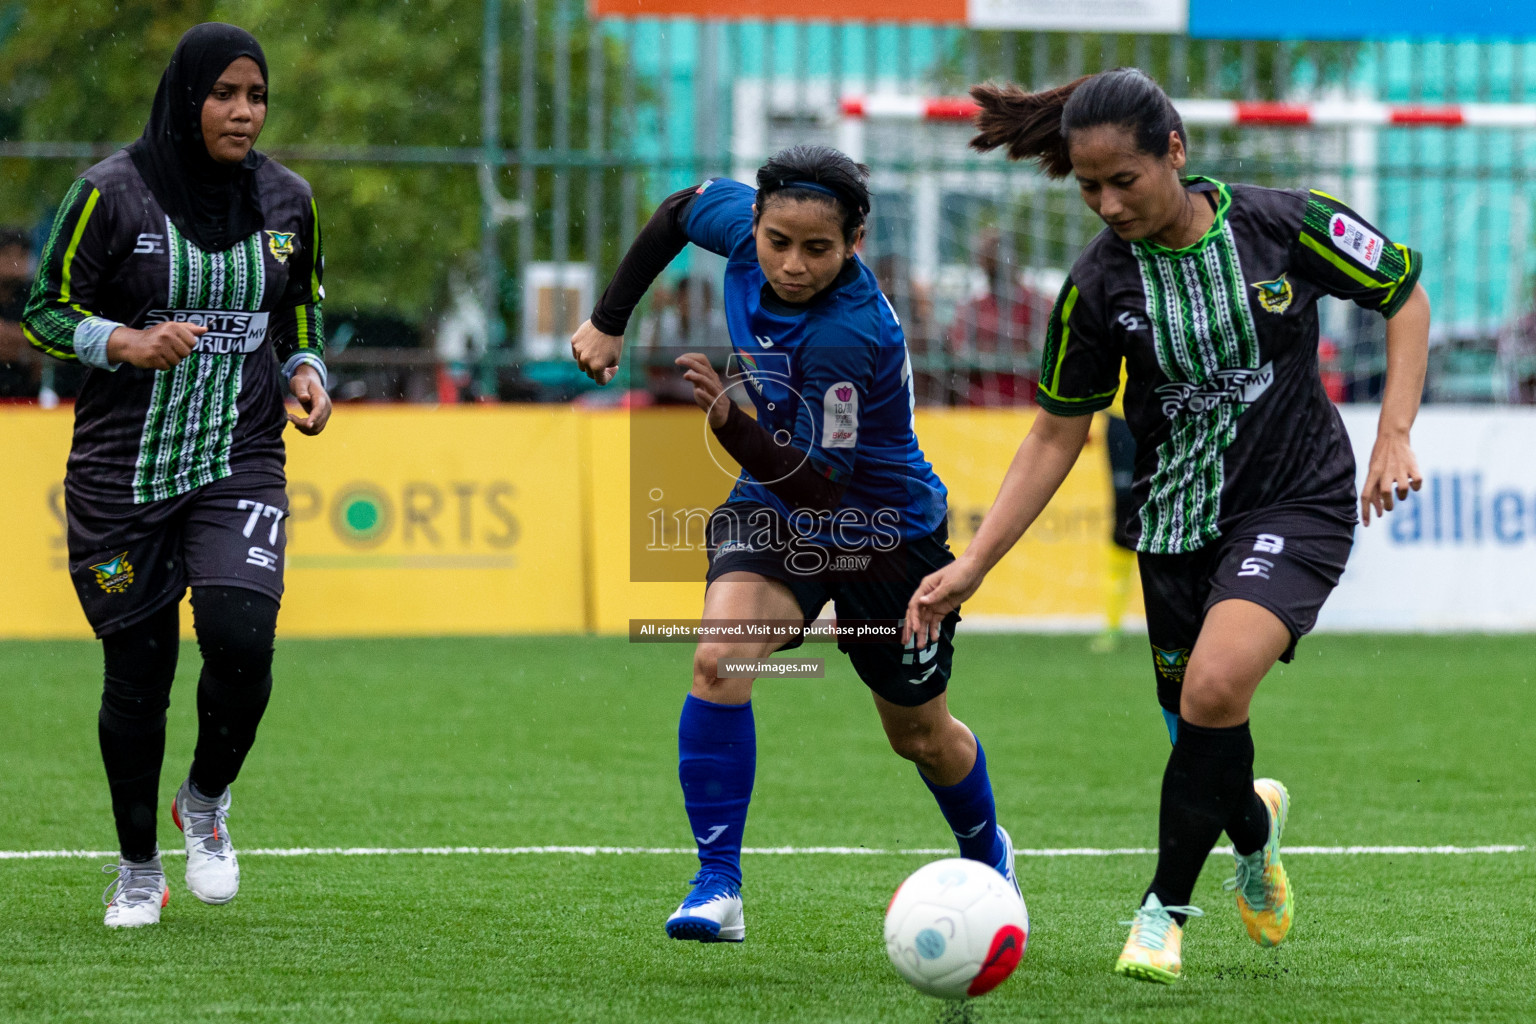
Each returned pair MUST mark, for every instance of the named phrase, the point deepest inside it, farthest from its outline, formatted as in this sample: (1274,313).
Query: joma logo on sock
(714,833)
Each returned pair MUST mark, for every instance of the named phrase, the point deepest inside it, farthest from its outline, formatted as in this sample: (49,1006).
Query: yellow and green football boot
(1152,953)
(1263,890)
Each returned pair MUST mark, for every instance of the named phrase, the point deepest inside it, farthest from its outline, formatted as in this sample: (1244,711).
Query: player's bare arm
(159,347)
(708,389)
(1394,470)
(313,399)
(596,353)
(1043,460)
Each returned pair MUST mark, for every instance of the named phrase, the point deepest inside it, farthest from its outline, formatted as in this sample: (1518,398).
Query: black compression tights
(235,628)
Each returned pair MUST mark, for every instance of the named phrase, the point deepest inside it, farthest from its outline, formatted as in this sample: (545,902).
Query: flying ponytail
(1036,126)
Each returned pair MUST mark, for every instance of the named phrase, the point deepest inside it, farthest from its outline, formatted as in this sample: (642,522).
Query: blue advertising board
(1363,19)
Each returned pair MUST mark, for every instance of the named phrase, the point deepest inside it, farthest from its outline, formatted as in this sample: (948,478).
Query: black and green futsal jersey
(115,259)
(1219,341)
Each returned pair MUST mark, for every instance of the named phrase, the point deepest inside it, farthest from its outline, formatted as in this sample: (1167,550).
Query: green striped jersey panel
(1201,324)
(194,408)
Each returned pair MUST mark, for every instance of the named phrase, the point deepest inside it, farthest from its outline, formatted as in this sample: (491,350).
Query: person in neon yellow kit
(1120,565)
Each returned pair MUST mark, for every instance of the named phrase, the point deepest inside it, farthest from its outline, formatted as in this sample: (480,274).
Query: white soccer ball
(956,928)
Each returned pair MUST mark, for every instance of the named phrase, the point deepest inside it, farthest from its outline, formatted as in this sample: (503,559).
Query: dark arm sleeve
(658,243)
(60,318)
(795,478)
(298,330)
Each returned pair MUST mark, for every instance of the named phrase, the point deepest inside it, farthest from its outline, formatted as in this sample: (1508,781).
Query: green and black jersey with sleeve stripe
(115,259)
(1219,343)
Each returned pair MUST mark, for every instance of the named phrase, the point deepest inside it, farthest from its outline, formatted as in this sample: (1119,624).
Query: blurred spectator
(914,307)
(996,336)
(1330,368)
(1517,358)
(695,303)
(20,363)
(1362,355)
(668,330)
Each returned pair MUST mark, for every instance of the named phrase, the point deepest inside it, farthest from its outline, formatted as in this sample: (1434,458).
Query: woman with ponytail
(835,501)
(1245,483)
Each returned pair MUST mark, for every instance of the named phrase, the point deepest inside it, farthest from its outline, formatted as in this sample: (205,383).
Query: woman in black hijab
(185,271)
(211,198)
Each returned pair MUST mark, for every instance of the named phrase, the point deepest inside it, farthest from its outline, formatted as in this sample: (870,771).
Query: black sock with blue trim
(1204,786)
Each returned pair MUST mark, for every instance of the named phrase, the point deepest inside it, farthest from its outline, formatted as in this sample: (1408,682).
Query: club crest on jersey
(280,243)
(1171,664)
(1275,296)
(114,576)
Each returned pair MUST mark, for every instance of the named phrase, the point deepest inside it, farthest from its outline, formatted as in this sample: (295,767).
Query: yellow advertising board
(39,601)
(419,520)
(403,521)
(643,477)
(413,520)
(1055,577)
(654,475)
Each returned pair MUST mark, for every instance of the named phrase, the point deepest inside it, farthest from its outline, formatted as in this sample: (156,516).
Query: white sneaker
(213,873)
(711,913)
(135,896)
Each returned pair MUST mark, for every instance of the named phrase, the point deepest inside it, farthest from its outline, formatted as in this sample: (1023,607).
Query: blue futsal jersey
(833,379)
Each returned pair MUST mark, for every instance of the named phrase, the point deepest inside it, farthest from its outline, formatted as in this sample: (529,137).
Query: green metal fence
(479,235)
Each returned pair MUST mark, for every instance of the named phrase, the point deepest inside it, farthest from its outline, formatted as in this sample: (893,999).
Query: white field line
(834,851)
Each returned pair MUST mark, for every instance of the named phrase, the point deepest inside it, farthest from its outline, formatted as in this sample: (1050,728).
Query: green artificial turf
(559,741)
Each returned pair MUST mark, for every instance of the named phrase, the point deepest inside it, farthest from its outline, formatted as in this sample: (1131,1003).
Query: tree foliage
(344,73)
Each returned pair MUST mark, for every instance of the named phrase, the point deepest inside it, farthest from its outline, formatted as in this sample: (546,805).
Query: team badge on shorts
(1275,296)
(114,576)
(1171,664)
(281,244)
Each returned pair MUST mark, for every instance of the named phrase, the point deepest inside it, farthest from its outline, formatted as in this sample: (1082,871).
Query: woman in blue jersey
(835,500)
(1244,486)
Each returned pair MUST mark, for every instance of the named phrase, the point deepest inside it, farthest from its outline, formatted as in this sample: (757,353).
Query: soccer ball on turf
(956,928)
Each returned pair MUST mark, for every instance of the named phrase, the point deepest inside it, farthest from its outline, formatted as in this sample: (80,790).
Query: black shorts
(1287,560)
(128,561)
(745,537)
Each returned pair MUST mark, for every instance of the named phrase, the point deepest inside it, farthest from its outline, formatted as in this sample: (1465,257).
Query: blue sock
(972,816)
(1172,721)
(716,762)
